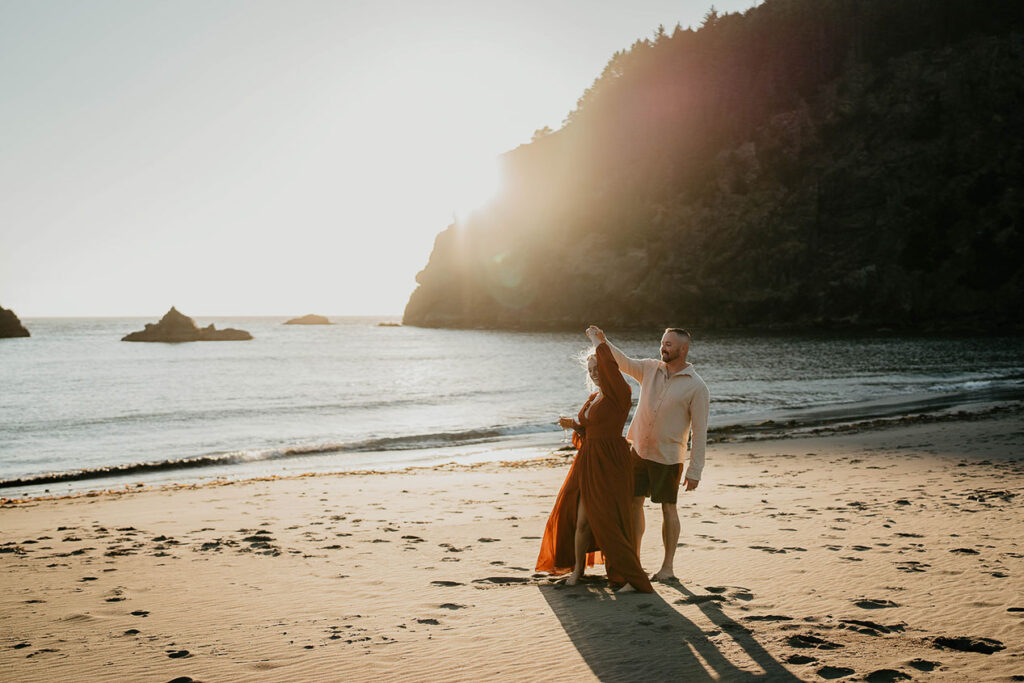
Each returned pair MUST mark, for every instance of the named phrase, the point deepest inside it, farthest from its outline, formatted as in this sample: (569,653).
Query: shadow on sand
(642,637)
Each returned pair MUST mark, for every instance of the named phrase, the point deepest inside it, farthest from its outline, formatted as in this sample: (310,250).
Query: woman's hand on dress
(566,423)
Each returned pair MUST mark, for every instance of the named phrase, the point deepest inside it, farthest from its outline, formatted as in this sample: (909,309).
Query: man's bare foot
(572,579)
(664,575)
(628,588)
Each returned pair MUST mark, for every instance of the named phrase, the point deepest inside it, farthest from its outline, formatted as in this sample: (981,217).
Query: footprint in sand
(446,584)
(451,606)
(887,676)
(924,664)
(871,628)
(807,640)
(140,613)
(873,603)
(700,599)
(178,654)
(911,566)
(800,659)
(968,644)
(451,548)
(428,622)
(503,580)
(830,672)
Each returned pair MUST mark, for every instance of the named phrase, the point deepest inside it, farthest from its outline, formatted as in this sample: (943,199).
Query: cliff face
(10,326)
(883,191)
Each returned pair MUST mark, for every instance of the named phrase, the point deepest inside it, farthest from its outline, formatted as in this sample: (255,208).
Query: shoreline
(851,553)
(785,424)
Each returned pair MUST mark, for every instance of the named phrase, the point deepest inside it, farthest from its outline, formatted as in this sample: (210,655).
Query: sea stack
(10,326)
(310,319)
(176,327)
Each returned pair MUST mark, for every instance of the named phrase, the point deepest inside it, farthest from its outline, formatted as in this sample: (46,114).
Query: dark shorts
(656,481)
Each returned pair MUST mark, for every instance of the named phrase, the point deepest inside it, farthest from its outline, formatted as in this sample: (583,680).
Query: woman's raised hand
(596,335)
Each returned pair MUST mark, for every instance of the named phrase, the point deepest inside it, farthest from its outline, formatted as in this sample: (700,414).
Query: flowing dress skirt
(602,474)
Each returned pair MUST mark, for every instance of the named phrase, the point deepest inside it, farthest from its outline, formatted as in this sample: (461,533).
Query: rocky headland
(803,165)
(10,326)
(176,327)
(310,319)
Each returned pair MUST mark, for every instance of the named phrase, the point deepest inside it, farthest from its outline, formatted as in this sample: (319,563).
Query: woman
(592,520)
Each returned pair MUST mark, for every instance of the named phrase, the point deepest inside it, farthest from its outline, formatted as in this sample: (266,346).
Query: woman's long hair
(583,357)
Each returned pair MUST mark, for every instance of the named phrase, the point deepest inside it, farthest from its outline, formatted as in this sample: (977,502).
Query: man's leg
(641,490)
(670,537)
(638,522)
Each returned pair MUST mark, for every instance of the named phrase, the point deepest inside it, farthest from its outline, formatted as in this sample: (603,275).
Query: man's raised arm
(630,366)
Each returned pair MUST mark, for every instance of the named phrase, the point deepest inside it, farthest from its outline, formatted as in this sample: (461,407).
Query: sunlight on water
(360,395)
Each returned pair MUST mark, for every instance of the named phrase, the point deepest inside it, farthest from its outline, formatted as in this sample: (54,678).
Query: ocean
(79,409)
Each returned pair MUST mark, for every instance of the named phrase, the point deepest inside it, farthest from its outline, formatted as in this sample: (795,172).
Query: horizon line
(209,315)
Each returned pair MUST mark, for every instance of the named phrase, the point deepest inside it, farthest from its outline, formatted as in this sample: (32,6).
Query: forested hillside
(809,163)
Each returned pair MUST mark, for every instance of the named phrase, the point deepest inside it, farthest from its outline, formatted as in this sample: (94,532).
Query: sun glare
(473,186)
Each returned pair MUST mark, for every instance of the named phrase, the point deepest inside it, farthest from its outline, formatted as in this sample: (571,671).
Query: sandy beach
(888,551)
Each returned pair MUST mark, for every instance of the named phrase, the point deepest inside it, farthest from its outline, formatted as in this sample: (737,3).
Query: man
(673,402)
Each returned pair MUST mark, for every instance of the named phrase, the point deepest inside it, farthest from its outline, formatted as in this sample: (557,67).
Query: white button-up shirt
(670,407)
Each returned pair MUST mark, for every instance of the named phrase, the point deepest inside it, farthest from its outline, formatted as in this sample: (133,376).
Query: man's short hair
(679,331)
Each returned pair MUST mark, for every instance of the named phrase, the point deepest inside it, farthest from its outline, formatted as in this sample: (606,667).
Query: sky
(271,158)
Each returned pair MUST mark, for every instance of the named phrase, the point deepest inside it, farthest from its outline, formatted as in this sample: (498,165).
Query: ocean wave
(268,408)
(395,443)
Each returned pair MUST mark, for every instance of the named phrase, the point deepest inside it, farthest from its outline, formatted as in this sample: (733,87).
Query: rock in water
(177,327)
(310,319)
(10,326)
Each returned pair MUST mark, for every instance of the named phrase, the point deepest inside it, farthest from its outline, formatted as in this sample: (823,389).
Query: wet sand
(890,551)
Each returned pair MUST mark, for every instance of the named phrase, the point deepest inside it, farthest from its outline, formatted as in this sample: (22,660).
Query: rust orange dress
(602,474)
